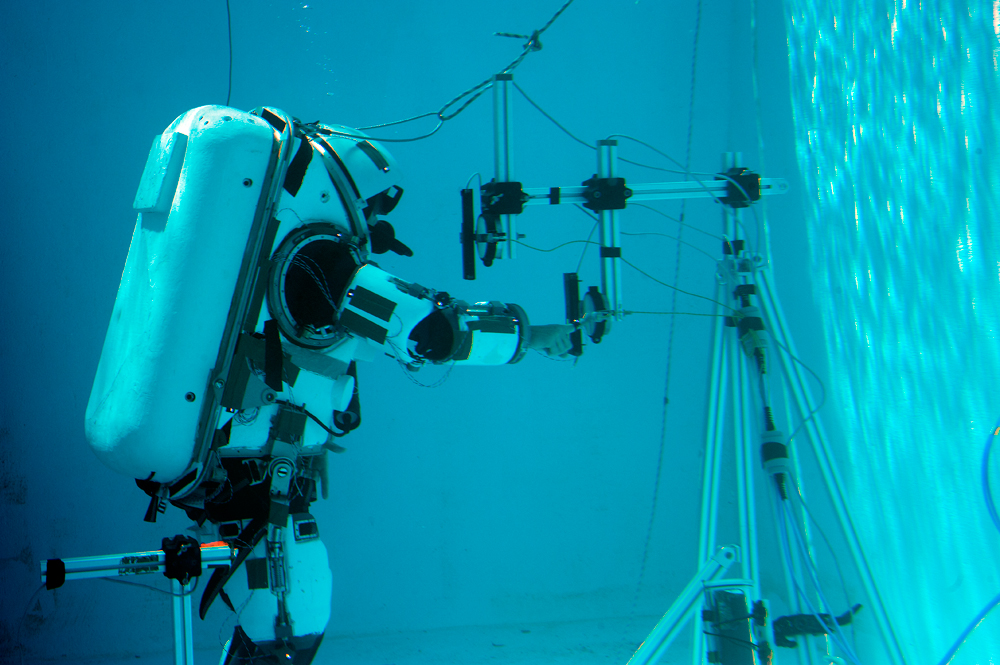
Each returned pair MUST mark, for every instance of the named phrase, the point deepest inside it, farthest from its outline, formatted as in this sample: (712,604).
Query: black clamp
(502,198)
(183,558)
(808,624)
(605,193)
(747,180)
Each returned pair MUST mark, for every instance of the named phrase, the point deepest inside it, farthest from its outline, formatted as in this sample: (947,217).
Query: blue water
(894,106)
(525,498)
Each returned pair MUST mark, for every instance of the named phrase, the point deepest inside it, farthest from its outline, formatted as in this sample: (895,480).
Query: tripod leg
(666,630)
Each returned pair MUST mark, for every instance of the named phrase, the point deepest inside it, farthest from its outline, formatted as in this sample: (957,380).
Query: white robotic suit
(247,294)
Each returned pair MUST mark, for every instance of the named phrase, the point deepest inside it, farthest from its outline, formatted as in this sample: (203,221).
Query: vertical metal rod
(611,269)
(714,433)
(503,125)
(750,418)
(831,476)
(751,438)
(741,415)
(183,642)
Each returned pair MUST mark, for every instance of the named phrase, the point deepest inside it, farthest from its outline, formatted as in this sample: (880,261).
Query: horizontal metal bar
(655,191)
(134,563)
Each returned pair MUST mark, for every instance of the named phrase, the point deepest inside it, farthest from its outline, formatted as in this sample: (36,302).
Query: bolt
(219,383)
(269,397)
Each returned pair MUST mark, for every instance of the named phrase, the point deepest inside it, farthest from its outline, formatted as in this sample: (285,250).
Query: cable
(676,289)
(822,387)
(533,44)
(647,233)
(589,236)
(786,556)
(836,561)
(551,119)
(674,219)
(836,634)
(197,581)
(229,25)
(670,333)
(971,627)
(665,235)
(991,508)
(987,492)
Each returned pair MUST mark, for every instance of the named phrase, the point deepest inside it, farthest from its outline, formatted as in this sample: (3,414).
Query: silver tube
(611,269)
(503,126)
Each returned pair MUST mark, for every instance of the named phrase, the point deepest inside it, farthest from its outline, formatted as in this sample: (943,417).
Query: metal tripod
(738,360)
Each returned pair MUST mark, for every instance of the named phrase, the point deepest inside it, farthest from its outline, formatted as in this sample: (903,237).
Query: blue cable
(992,509)
(836,634)
(971,627)
(990,506)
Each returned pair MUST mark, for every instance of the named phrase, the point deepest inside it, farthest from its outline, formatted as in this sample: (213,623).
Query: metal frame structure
(213,555)
(728,370)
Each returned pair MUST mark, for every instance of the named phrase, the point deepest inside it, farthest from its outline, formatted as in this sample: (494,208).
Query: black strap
(272,355)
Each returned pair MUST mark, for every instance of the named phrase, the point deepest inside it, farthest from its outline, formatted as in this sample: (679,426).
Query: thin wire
(667,235)
(405,367)
(589,236)
(632,311)
(822,387)
(197,581)
(670,334)
(836,561)
(676,289)
(674,219)
(553,120)
(647,233)
(837,635)
(760,124)
(229,25)
(560,246)
(475,92)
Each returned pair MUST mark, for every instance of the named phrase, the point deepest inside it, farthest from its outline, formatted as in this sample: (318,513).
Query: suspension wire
(762,221)
(670,333)
(532,44)
(229,25)
(553,120)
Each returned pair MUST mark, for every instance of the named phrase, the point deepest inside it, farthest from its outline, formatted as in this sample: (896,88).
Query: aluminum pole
(503,127)
(611,246)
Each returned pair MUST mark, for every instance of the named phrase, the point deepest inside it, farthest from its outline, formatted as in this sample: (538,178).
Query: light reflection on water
(897,146)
